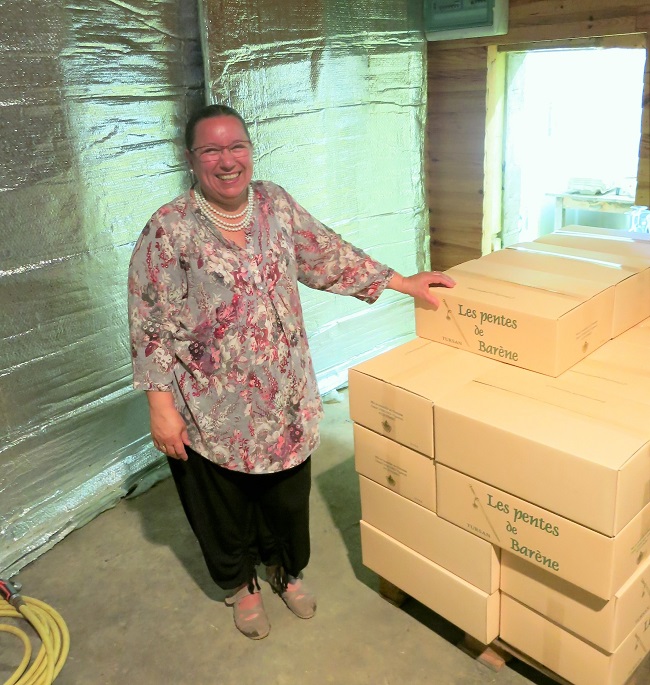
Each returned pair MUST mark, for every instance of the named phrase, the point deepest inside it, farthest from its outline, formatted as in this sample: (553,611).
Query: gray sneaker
(248,611)
(294,593)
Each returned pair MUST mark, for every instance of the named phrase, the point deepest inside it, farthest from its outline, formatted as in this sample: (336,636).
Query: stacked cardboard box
(546,305)
(573,633)
(561,483)
(546,457)
(448,569)
(595,638)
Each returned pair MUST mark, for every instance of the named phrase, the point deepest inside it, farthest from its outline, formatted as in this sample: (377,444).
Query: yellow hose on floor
(51,629)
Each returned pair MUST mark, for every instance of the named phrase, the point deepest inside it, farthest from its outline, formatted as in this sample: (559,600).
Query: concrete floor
(141,608)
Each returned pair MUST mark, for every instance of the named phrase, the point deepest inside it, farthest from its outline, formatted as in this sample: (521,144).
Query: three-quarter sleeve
(328,262)
(157,290)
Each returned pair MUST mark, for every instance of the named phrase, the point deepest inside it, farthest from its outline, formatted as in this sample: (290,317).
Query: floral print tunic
(221,326)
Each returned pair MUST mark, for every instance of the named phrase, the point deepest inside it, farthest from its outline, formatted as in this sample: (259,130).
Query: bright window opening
(571,143)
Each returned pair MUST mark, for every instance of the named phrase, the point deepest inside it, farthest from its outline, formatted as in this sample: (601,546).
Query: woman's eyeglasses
(212,153)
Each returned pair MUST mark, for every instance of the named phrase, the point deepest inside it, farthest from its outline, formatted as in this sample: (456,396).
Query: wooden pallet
(391,592)
(497,654)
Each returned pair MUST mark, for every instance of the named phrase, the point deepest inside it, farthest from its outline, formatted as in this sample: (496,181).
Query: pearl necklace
(216,217)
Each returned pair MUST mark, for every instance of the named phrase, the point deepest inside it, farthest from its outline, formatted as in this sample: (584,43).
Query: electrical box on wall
(449,19)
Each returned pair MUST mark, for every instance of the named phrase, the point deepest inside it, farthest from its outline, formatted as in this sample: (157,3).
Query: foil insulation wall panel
(335,95)
(94,96)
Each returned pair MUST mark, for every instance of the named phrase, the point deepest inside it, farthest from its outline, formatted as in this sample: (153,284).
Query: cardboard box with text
(577,450)
(592,561)
(404,471)
(541,322)
(393,393)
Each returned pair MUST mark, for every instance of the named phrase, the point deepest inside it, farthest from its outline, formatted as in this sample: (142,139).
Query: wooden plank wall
(457,88)
(455,136)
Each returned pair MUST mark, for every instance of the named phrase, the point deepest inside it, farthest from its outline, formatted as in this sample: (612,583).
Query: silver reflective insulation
(335,92)
(94,97)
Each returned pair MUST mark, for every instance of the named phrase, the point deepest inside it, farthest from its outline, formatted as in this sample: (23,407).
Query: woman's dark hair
(208,112)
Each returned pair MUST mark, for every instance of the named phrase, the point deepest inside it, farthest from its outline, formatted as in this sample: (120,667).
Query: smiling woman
(219,154)
(220,347)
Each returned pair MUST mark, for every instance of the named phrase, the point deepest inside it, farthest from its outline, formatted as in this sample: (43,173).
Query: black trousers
(242,519)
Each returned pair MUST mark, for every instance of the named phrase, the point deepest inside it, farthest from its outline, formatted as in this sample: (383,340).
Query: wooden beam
(643,171)
(539,12)
(493,174)
(454,153)
(547,32)
(632,41)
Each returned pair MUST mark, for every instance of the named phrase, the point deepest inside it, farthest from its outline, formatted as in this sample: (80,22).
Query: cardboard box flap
(393,394)
(626,383)
(628,275)
(538,303)
(618,368)
(573,395)
(598,243)
(577,258)
(630,347)
(548,419)
(425,368)
(638,335)
(398,362)
(612,232)
(556,282)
